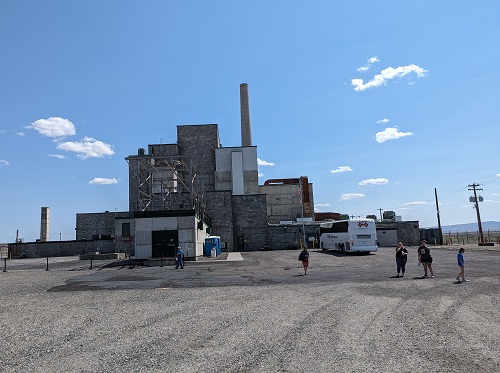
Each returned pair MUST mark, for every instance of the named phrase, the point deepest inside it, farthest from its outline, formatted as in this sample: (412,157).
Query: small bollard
(130,262)
(5,264)
(91,258)
(161,262)
(47,264)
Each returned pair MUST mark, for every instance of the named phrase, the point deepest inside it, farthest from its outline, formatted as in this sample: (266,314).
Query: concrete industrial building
(181,193)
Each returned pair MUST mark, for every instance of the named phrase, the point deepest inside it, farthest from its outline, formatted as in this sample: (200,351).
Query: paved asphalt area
(261,314)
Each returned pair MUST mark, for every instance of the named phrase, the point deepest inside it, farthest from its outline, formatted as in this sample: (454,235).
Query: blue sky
(377,102)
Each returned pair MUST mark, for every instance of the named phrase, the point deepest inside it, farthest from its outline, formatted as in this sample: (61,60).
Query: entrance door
(164,243)
(240,243)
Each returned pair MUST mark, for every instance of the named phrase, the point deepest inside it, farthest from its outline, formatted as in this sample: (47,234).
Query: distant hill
(471,227)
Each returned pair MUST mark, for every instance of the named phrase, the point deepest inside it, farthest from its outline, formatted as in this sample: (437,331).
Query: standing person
(424,257)
(401,258)
(180,256)
(461,264)
(304,258)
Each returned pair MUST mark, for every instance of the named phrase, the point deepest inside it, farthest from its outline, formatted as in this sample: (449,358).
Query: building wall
(220,209)
(226,173)
(250,220)
(70,248)
(191,239)
(89,225)
(199,143)
(283,202)
(390,233)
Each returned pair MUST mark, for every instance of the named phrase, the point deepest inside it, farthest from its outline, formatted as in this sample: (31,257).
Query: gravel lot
(349,314)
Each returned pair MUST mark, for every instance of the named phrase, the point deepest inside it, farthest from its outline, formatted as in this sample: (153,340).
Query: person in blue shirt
(180,258)
(461,264)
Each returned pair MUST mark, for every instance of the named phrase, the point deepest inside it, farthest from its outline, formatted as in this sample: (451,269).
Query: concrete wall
(191,239)
(250,220)
(220,209)
(70,248)
(283,202)
(226,173)
(390,233)
(99,223)
(199,143)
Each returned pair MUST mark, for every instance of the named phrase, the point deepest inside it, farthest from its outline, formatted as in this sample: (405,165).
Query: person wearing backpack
(304,258)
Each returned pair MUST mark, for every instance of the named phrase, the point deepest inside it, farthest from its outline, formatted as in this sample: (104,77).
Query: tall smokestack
(246,129)
(45,225)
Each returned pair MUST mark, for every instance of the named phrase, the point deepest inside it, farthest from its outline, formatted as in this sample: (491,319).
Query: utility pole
(380,213)
(474,188)
(439,220)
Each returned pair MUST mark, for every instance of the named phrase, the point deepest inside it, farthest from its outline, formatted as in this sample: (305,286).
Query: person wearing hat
(180,256)
(424,257)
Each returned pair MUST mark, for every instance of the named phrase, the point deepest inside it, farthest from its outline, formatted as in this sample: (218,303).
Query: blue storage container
(212,243)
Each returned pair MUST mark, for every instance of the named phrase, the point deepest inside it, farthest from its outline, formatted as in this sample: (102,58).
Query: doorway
(164,243)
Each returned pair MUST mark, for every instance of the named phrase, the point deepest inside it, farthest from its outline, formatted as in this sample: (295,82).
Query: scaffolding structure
(163,183)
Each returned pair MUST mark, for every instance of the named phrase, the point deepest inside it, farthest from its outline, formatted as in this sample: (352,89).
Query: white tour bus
(349,236)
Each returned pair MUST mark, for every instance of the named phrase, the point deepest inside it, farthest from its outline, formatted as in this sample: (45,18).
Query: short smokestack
(45,224)
(246,130)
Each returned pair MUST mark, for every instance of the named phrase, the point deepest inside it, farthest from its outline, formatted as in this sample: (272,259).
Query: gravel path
(349,314)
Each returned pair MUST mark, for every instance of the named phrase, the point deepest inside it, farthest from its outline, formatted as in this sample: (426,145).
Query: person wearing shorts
(424,257)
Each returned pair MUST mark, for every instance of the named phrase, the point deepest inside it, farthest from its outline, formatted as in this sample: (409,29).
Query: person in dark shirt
(424,257)
(304,258)
(401,258)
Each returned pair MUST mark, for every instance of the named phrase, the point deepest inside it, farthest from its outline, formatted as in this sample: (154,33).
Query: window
(364,236)
(125,229)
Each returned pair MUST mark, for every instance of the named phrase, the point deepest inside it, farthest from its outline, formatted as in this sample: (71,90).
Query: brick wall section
(250,220)
(199,143)
(220,210)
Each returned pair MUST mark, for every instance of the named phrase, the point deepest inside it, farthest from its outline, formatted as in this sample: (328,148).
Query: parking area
(259,314)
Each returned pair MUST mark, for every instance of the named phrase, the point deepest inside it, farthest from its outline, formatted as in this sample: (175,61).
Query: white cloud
(347,196)
(491,201)
(341,169)
(260,174)
(53,127)
(322,205)
(60,156)
(368,64)
(388,74)
(377,181)
(88,147)
(390,133)
(2,131)
(20,134)
(103,181)
(498,175)
(416,203)
(3,162)
(383,121)
(261,162)
(495,194)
